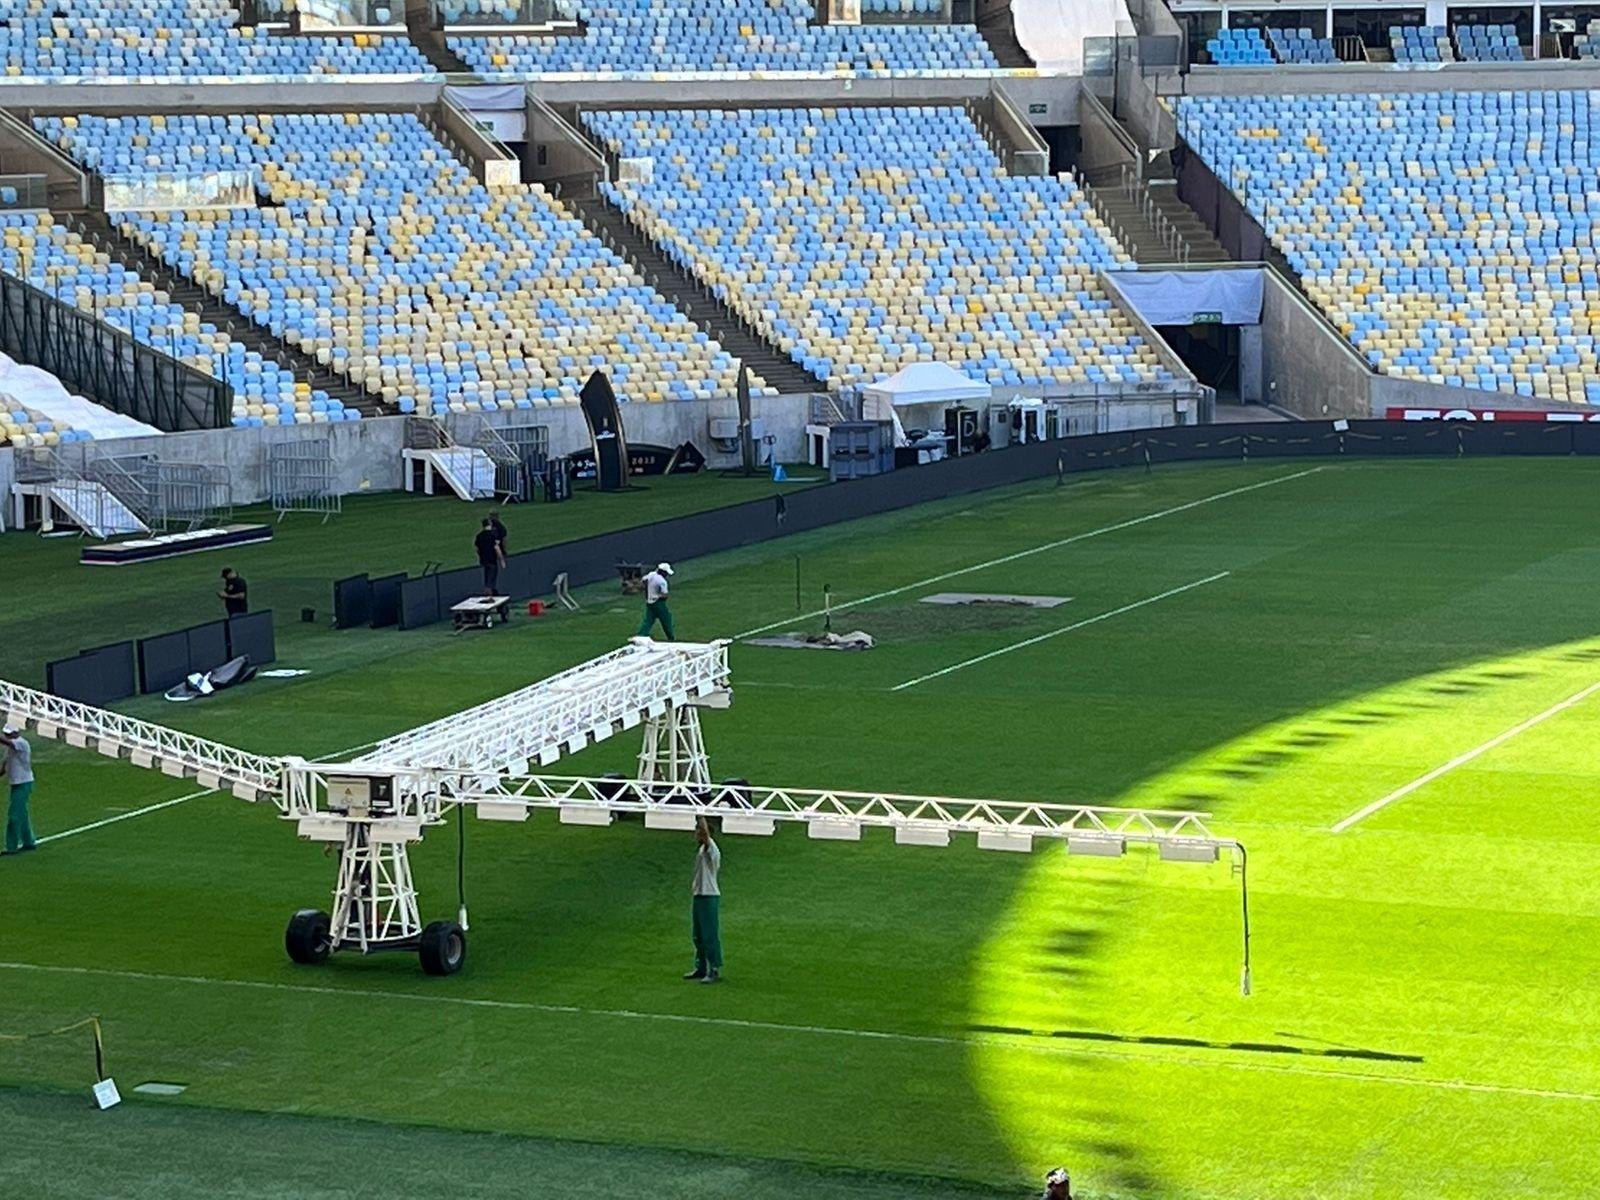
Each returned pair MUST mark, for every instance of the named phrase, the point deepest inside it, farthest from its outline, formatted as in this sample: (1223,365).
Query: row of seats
(1301,47)
(384,258)
(1488,43)
(35,248)
(21,427)
(1421,44)
(860,239)
(1450,236)
(1239,48)
(644,36)
(180,38)
(1587,43)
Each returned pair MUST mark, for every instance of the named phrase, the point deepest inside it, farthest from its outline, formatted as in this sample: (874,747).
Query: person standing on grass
(1057,1185)
(706,921)
(655,602)
(491,556)
(19,773)
(235,593)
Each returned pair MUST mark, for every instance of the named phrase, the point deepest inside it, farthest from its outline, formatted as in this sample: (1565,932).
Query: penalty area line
(1044,637)
(1022,1043)
(1020,554)
(1460,760)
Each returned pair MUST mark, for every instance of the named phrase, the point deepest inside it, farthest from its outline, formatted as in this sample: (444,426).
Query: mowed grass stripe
(1031,551)
(1022,1040)
(1054,633)
(1461,760)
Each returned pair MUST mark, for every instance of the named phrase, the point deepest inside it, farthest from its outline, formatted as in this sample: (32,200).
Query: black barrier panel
(455,586)
(419,602)
(352,602)
(208,646)
(592,560)
(386,600)
(251,634)
(99,676)
(163,660)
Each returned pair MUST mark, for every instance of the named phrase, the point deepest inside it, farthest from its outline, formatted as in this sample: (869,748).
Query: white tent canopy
(926,383)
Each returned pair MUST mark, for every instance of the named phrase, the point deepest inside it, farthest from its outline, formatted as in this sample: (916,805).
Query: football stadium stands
(860,239)
(647,36)
(1299,47)
(1239,48)
(181,38)
(378,253)
(1450,235)
(1488,43)
(34,247)
(1421,44)
(1587,43)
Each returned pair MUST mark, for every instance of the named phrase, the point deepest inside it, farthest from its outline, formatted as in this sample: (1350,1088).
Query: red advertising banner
(1488,414)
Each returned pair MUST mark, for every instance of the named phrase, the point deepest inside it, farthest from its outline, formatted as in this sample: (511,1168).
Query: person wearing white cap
(655,602)
(19,773)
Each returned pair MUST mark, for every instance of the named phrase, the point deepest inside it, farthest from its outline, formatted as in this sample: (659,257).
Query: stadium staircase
(431,41)
(691,297)
(1153,224)
(999,30)
(94,226)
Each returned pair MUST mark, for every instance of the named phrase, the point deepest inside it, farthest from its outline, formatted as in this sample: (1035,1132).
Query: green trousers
(707,931)
(657,611)
(19,830)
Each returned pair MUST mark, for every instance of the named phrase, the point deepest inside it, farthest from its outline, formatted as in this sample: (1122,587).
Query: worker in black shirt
(235,593)
(491,557)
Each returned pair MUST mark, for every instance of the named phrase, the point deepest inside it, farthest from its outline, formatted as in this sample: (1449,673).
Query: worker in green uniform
(655,602)
(19,774)
(705,926)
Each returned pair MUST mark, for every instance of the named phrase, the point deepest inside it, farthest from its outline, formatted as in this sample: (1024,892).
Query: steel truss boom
(559,715)
(170,751)
(838,814)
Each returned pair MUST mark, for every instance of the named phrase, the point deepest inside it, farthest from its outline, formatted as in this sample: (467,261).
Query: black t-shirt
(487,545)
(237,592)
(499,532)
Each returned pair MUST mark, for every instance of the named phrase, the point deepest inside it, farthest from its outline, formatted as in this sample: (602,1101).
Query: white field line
(1044,637)
(1014,1042)
(1462,759)
(157,807)
(1055,545)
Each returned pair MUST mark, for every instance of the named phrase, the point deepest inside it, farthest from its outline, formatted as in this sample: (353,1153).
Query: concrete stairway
(737,337)
(431,41)
(1155,226)
(999,30)
(94,226)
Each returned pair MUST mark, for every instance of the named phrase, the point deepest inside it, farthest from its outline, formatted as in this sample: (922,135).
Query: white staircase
(92,507)
(465,470)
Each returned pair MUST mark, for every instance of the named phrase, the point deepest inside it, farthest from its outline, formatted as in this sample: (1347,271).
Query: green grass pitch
(897,1021)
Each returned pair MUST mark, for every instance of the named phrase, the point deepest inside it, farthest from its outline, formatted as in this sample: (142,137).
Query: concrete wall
(1384,78)
(1306,367)
(367,453)
(1391,392)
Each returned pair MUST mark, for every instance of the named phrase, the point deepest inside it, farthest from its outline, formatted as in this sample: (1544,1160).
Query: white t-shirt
(19,762)
(707,861)
(655,588)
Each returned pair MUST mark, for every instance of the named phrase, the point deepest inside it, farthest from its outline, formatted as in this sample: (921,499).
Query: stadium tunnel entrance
(1210,317)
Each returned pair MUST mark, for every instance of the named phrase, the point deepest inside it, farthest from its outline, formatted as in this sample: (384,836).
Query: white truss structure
(374,806)
(561,714)
(155,747)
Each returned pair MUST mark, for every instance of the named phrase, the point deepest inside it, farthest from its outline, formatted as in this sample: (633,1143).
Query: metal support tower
(674,751)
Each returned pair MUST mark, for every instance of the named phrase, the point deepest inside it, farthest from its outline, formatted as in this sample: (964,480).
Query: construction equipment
(487,759)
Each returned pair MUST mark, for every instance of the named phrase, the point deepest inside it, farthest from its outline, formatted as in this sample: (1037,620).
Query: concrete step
(735,335)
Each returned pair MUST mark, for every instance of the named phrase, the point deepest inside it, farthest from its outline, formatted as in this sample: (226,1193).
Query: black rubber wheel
(307,939)
(444,948)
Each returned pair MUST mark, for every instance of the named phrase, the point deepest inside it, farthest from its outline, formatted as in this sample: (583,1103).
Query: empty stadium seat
(1239,48)
(1421,44)
(1488,43)
(181,38)
(645,36)
(860,239)
(1449,235)
(1299,47)
(383,257)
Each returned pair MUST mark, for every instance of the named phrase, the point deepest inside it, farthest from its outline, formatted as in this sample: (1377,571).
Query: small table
(479,612)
